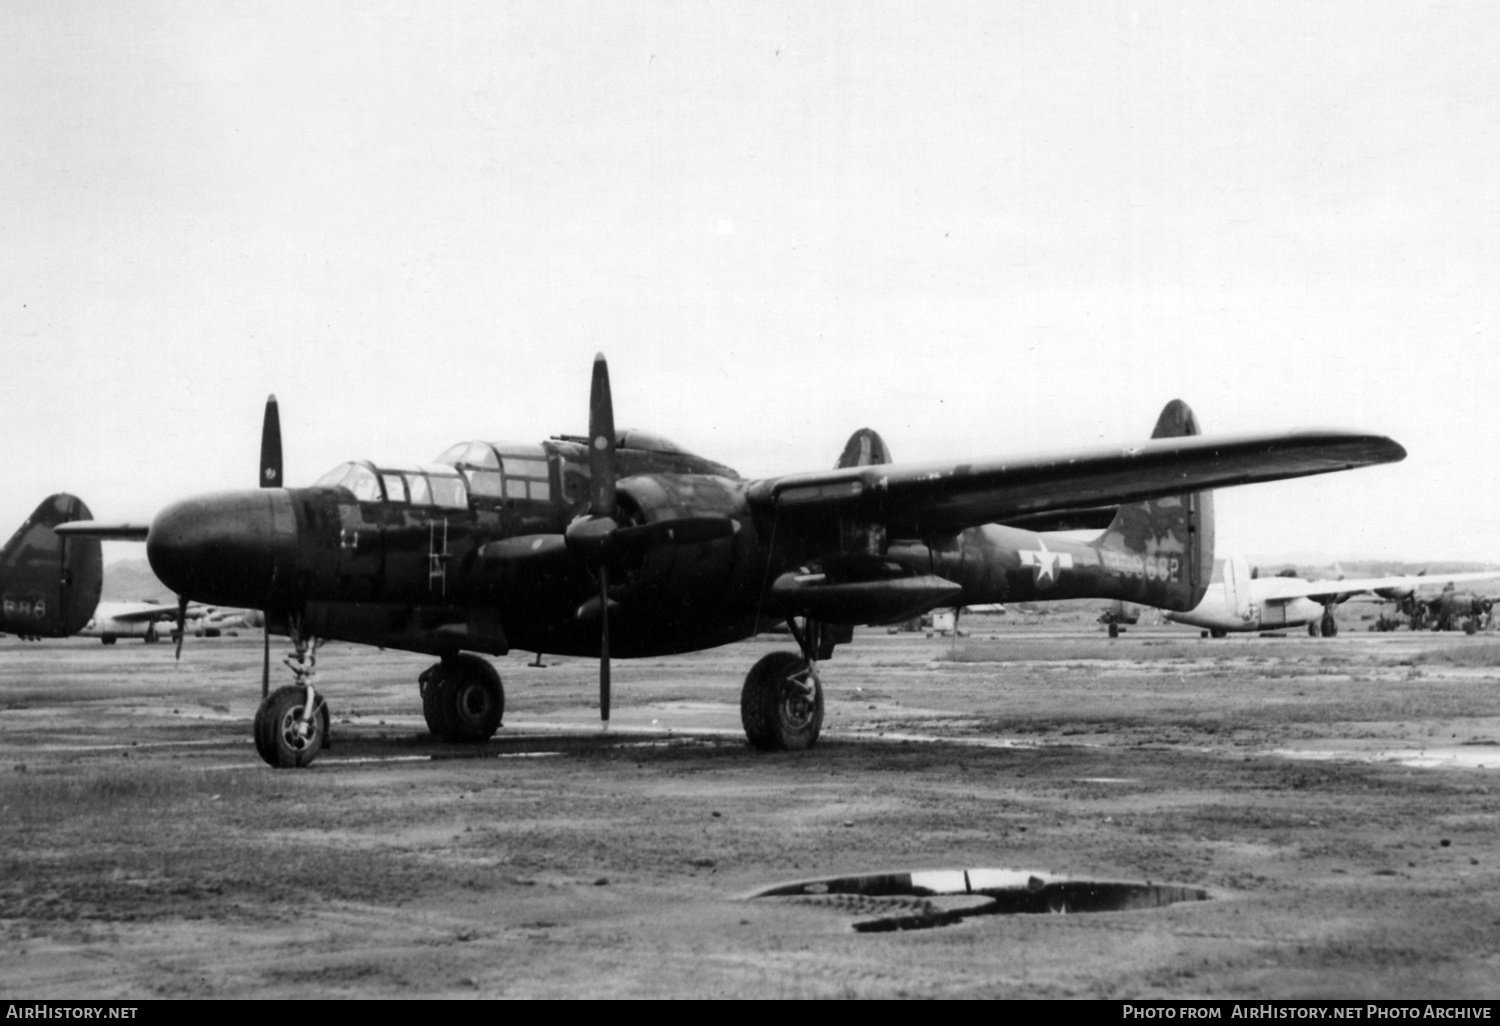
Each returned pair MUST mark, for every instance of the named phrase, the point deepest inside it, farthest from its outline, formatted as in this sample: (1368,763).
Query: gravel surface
(1335,798)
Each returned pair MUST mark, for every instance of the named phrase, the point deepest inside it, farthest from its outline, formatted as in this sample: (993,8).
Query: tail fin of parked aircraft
(50,585)
(1165,547)
(865,448)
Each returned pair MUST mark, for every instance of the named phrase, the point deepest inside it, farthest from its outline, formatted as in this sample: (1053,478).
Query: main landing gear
(462,698)
(1327,626)
(781,705)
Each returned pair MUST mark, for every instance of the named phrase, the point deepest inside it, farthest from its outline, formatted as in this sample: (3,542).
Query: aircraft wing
(944,498)
(143,612)
(1284,589)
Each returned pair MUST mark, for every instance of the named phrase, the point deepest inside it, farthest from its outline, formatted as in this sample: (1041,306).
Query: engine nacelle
(695,578)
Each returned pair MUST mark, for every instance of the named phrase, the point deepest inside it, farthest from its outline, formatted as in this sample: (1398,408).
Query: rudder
(1164,547)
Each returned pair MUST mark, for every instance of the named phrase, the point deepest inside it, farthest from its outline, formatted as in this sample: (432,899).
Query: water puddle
(1453,757)
(885,902)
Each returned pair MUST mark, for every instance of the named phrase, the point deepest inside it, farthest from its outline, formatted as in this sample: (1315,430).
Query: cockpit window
(517,472)
(448,491)
(395,490)
(416,487)
(355,478)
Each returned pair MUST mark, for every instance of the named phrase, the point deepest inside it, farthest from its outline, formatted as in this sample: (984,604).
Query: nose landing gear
(291,725)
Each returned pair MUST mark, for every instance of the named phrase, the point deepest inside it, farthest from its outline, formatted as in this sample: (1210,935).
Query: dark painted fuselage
(418,576)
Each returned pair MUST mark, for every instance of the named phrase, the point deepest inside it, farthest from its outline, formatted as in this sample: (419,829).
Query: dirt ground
(1335,797)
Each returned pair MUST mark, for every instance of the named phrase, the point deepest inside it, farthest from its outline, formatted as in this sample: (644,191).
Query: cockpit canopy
(425,485)
(502,471)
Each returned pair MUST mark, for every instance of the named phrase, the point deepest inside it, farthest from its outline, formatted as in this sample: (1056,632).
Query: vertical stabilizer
(49,585)
(865,448)
(1165,547)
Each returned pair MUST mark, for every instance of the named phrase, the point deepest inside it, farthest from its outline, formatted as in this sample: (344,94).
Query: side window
(485,482)
(448,491)
(416,487)
(395,490)
(526,477)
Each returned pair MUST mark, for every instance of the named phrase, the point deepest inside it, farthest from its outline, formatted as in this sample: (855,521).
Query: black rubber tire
(1114,630)
(276,740)
(1330,626)
(1471,627)
(1218,632)
(1314,630)
(462,698)
(109,639)
(775,716)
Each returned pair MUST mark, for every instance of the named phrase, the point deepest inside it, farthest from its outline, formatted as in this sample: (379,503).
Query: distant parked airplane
(151,621)
(1241,601)
(49,585)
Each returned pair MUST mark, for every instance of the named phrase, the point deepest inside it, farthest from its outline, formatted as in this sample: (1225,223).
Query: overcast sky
(980,228)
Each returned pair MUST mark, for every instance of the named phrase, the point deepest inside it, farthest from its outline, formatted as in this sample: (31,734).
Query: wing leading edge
(938,498)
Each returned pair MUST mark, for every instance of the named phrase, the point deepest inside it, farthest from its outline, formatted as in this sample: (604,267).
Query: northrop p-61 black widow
(621,544)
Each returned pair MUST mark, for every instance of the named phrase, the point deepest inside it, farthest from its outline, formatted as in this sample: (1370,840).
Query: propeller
(182,604)
(595,532)
(598,539)
(270,477)
(270,446)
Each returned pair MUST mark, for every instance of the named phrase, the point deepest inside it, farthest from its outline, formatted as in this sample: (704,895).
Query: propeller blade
(265,655)
(604,647)
(182,604)
(270,446)
(681,531)
(601,442)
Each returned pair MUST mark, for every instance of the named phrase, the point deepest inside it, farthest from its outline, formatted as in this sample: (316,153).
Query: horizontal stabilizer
(104,531)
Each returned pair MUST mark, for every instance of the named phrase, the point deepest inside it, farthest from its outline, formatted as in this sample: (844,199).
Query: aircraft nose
(224,548)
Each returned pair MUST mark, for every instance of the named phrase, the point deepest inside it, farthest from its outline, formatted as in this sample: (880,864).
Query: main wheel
(281,738)
(1330,625)
(1114,630)
(1314,630)
(777,708)
(462,698)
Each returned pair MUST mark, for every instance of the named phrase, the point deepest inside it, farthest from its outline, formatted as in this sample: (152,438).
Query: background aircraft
(1450,609)
(623,544)
(1240,601)
(49,585)
(152,621)
(114,620)
(1118,614)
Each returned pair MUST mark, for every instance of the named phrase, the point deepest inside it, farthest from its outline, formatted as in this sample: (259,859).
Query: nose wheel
(291,727)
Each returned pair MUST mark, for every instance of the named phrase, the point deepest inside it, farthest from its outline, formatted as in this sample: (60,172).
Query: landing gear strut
(781,705)
(291,725)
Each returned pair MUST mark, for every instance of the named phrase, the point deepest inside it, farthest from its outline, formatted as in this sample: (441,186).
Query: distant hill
(131,580)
